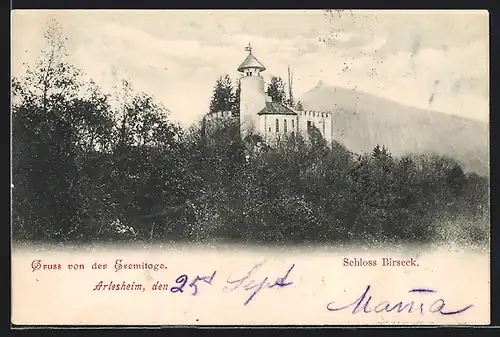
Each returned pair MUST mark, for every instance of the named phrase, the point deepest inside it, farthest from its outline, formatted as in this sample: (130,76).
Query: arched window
(308,124)
(284,126)
(269,129)
(277,125)
(292,124)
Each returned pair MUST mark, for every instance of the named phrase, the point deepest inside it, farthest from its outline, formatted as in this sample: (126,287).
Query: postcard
(249,167)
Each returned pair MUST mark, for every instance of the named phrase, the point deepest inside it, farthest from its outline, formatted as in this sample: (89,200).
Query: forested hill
(361,120)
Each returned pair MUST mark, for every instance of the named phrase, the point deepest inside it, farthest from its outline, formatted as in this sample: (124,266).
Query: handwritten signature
(248,283)
(362,305)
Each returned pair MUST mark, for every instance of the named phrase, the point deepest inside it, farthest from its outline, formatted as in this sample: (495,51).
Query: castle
(271,120)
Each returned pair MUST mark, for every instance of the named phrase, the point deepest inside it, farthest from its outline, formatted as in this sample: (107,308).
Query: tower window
(277,125)
(284,126)
(292,124)
(308,124)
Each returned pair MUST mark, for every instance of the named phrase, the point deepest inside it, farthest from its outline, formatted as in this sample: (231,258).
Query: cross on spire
(248,48)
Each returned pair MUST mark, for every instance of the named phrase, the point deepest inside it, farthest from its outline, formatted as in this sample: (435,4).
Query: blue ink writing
(250,284)
(362,304)
(206,279)
(182,280)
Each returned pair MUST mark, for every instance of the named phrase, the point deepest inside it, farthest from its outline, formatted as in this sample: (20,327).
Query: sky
(436,60)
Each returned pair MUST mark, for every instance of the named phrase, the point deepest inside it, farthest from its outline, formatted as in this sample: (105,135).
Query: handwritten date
(248,283)
(183,280)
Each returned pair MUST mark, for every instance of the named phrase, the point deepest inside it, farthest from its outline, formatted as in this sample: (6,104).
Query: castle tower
(252,95)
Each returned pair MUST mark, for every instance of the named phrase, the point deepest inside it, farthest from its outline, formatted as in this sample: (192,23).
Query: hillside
(362,120)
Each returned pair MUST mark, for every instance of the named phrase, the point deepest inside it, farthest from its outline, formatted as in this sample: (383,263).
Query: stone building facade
(271,120)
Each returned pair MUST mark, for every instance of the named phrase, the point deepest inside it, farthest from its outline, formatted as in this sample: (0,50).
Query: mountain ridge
(362,120)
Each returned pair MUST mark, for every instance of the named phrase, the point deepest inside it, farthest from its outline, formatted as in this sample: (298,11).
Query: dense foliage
(276,90)
(88,168)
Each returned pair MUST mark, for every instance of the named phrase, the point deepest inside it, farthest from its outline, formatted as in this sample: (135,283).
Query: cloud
(434,27)
(177,56)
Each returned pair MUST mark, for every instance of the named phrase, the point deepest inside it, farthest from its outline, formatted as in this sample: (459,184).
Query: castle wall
(219,115)
(252,100)
(322,120)
(262,126)
(268,123)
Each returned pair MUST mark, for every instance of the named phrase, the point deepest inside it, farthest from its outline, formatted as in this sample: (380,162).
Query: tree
(236,106)
(276,90)
(318,142)
(148,158)
(377,151)
(57,121)
(456,179)
(299,106)
(223,97)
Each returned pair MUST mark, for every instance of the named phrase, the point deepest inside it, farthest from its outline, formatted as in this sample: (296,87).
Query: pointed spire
(251,61)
